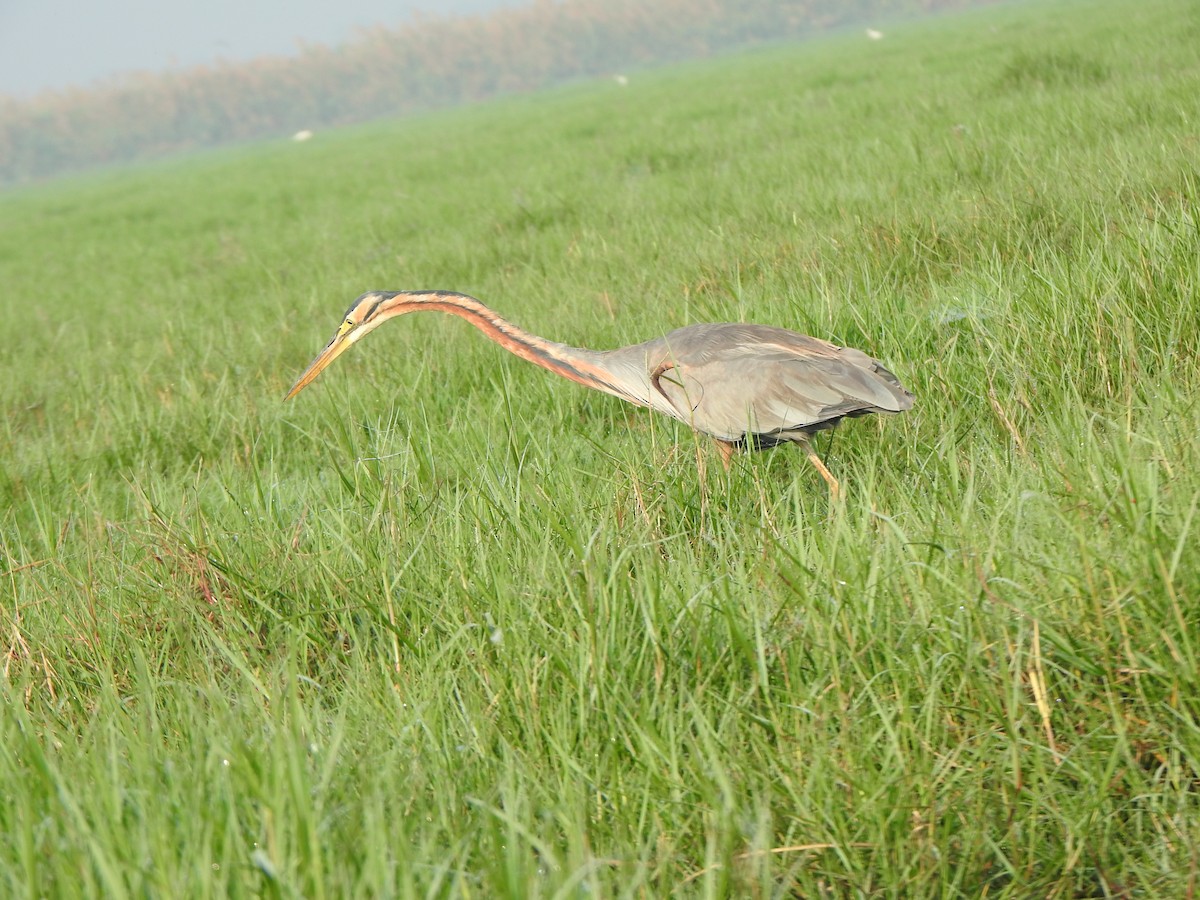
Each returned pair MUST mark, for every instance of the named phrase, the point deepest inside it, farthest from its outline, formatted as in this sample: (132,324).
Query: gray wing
(732,380)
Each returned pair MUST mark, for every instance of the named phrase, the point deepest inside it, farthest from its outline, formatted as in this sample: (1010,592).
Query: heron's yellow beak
(341,341)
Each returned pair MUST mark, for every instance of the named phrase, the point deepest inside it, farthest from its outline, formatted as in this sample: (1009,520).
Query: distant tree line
(428,63)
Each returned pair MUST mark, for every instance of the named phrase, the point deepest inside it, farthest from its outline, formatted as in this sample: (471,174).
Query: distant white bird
(302,135)
(874,35)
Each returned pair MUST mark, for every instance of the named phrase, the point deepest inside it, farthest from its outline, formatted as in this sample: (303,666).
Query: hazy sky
(61,43)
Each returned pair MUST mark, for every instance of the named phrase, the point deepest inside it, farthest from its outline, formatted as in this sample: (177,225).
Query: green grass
(448,626)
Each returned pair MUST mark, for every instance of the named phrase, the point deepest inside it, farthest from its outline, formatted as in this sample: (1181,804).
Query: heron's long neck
(578,364)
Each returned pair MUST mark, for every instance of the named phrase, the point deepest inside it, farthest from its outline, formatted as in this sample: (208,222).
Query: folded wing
(731,381)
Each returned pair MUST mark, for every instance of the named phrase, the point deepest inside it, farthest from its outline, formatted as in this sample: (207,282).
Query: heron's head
(364,315)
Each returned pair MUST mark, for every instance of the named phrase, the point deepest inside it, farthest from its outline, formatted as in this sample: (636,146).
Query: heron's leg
(726,449)
(834,488)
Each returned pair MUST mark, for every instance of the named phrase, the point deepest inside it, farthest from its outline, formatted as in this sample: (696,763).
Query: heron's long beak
(336,348)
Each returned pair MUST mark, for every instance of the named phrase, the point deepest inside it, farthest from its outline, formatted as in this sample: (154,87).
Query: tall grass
(447,626)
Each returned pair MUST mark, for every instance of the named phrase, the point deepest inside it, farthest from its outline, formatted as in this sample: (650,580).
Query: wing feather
(733,380)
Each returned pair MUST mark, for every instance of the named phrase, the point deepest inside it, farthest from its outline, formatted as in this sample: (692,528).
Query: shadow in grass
(1051,70)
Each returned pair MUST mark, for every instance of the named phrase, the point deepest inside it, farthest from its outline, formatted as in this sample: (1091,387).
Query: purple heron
(746,386)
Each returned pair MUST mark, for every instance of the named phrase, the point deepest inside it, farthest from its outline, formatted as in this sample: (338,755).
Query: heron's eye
(345,326)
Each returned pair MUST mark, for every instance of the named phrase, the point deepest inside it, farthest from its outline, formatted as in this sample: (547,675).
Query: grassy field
(445,625)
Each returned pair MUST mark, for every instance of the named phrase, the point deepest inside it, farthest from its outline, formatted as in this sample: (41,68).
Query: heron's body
(748,386)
